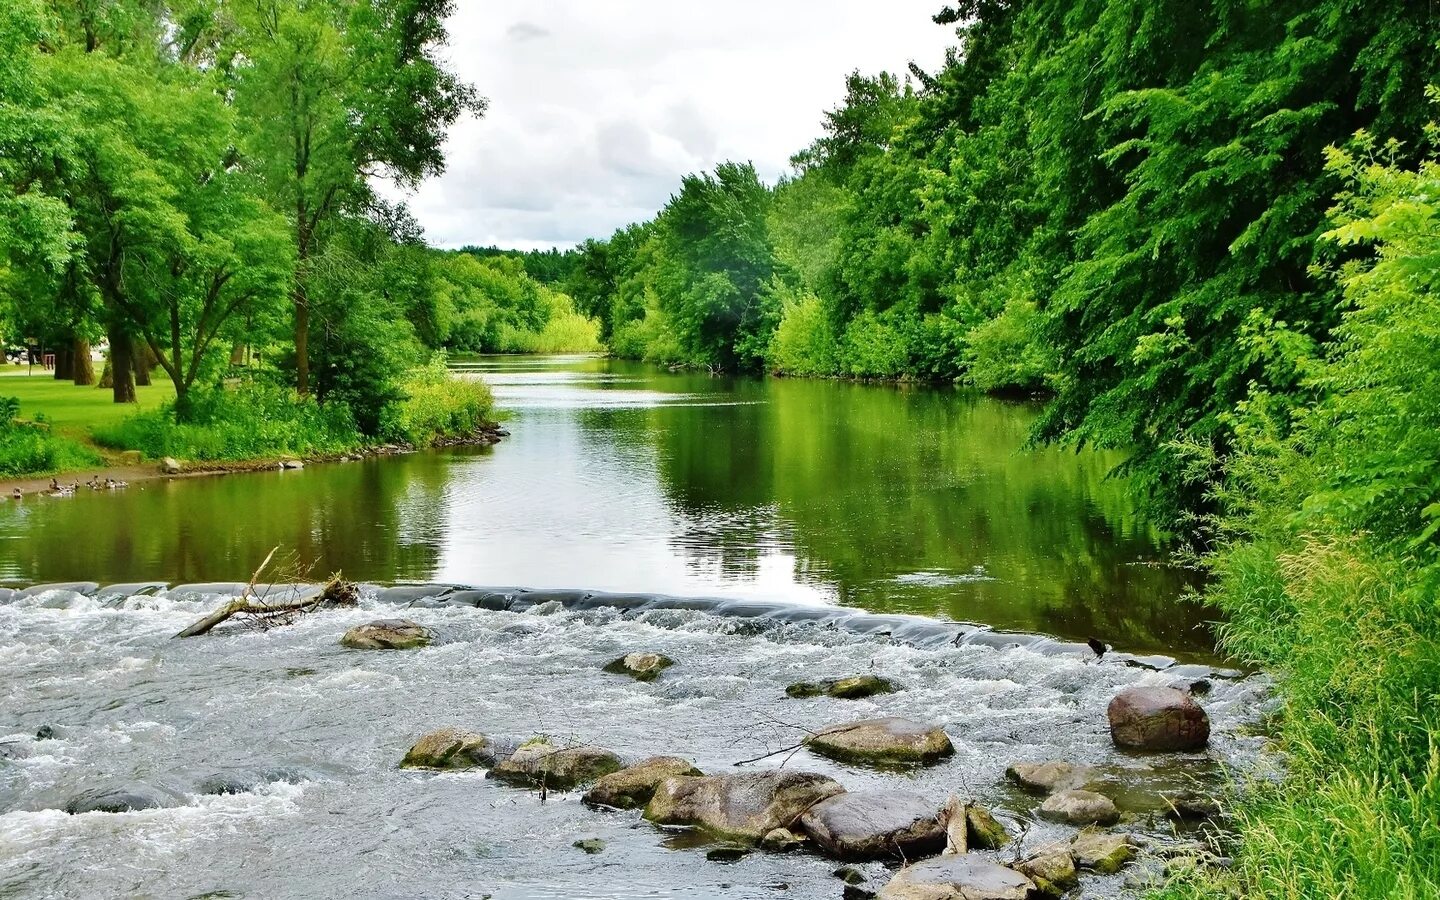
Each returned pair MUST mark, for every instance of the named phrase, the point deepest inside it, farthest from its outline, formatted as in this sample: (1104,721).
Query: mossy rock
(450,748)
(1102,852)
(983,830)
(540,763)
(632,787)
(640,666)
(883,742)
(387,634)
(853,688)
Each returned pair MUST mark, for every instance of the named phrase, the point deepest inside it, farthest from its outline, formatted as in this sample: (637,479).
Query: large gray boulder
(1080,808)
(634,786)
(450,748)
(889,741)
(742,807)
(875,825)
(540,763)
(958,877)
(387,634)
(1158,718)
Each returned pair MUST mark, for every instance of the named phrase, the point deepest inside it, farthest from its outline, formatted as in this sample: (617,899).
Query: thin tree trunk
(83,368)
(302,340)
(122,366)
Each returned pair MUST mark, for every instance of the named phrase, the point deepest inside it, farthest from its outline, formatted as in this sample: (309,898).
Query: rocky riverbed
(276,756)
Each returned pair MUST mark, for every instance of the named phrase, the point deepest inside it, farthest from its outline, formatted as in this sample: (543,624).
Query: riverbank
(122,475)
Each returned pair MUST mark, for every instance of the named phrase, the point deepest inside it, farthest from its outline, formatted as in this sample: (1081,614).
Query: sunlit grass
(75,410)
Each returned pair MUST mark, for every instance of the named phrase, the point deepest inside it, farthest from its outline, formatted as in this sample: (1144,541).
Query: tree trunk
(83,368)
(122,366)
(144,363)
(64,371)
(105,381)
(302,341)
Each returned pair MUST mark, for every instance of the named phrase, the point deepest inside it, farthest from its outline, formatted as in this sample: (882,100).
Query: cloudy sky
(598,109)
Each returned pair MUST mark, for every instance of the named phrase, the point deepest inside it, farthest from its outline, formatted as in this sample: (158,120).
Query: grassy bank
(81,428)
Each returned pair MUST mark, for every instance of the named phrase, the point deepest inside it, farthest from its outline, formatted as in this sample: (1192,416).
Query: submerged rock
(958,877)
(1078,807)
(1052,869)
(744,807)
(589,845)
(640,666)
(727,854)
(539,762)
(387,634)
(1192,806)
(983,830)
(13,750)
(1048,777)
(1102,852)
(1158,718)
(116,799)
(450,748)
(634,786)
(852,688)
(889,741)
(875,825)
(781,840)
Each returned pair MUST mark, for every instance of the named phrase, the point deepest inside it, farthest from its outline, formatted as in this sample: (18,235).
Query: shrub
(1007,352)
(873,348)
(438,405)
(804,343)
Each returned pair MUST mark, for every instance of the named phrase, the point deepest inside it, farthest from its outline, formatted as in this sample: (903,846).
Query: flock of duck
(68,490)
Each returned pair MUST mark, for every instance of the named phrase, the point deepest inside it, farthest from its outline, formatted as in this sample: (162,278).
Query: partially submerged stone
(1052,869)
(540,763)
(589,845)
(874,825)
(1049,777)
(171,466)
(1080,808)
(450,748)
(984,830)
(782,840)
(116,799)
(852,688)
(957,877)
(1190,806)
(1158,718)
(640,666)
(744,807)
(888,741)
(387,634)
(1102,852)
(633,786)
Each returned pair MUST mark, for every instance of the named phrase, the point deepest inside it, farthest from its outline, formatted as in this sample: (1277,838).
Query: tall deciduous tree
(335,94)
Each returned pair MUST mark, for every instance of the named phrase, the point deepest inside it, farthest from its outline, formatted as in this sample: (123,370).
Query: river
(617,477)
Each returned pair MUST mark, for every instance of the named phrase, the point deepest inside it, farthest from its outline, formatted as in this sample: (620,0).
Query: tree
(335,94)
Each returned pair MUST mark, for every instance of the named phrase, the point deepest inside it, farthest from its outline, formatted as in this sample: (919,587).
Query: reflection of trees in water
(377,520)
(869,483)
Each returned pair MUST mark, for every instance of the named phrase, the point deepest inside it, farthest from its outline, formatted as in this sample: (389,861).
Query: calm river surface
(617,477)
(622,477)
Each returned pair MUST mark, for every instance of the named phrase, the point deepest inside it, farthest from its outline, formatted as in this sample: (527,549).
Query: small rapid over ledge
(307,735)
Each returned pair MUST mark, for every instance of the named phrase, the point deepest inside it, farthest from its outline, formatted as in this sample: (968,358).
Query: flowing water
(917,506)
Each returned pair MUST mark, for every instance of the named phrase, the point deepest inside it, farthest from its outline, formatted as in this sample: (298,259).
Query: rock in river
(1102,852)
(958,877)
(852,688)
(875,825)
(539,762)
(1080,808)
(387,634)
(171,466)
(745,807)
(450,748)
(1158,718)
(640,666)
(1049,777)
(890,741)
(634,786)
(1052,869)
(116,799)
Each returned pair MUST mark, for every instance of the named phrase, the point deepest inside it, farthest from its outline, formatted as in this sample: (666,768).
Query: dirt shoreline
(79,479)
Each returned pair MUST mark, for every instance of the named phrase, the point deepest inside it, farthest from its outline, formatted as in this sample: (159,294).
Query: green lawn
(72,410)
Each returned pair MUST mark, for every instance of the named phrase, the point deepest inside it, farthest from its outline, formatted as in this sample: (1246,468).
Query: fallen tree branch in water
(265,614)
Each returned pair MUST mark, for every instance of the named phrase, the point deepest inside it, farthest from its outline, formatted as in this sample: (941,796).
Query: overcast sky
(598,109)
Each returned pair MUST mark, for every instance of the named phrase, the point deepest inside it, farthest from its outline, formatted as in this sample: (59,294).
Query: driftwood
(259,611)
(955,818)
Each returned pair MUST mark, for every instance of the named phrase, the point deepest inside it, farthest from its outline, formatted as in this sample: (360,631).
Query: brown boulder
(634,786)
(958,877)
(875,825)
(889,741)
(745,807)
(1158,718)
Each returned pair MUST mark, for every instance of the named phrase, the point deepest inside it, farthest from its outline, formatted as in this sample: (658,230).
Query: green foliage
(873,347)
(256,420)
(436,406)
(804,342)
(1008,351)
(28,448)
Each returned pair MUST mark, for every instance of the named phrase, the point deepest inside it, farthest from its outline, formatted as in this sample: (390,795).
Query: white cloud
(597,110)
